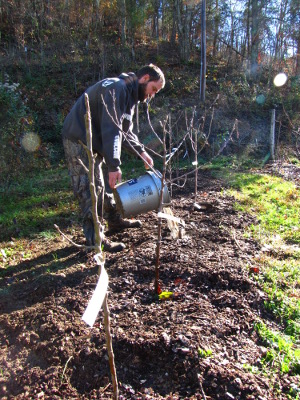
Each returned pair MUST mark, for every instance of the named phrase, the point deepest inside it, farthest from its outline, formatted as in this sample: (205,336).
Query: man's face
(148,89)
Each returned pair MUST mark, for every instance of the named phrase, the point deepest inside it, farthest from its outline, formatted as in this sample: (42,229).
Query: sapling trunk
(170,152)
(159,223)
(158,246)
(99,235)
(196,164)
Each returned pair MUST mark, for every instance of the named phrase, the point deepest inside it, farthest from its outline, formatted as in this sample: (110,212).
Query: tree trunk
(184,18)
(216,28)
(255,37)
(122,6)
(279,33)
(248,31)
(164,28)
(174,24)
(298,56)
(230,47)
(203,52)
(155,19)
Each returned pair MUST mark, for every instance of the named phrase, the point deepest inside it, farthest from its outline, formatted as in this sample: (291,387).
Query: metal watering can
(140,195)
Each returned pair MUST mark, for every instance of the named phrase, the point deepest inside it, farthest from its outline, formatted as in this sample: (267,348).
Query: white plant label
(96,301)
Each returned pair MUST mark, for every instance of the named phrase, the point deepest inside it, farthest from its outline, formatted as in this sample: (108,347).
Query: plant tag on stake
(96,301)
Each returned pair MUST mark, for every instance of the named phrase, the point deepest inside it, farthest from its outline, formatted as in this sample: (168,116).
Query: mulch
(198,343)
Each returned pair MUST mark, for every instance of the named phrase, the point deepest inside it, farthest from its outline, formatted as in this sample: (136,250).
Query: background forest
(218,56)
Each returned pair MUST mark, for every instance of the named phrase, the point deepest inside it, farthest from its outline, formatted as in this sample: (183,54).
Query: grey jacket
(112,102)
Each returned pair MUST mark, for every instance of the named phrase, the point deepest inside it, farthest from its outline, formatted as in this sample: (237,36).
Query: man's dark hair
(153,71)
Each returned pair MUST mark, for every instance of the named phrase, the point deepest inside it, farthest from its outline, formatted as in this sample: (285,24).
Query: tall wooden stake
(196,165)
(99,235)
(272,136)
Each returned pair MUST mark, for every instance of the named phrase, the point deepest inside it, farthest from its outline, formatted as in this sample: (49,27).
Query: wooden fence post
(272,136)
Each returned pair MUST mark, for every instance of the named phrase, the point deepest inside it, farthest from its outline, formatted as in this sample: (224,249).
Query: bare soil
(48,352)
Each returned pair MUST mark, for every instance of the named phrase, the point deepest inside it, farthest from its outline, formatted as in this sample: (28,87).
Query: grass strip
(275,203)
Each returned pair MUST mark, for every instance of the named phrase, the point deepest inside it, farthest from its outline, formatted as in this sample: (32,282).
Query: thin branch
(80,161)
(235,128)
(170,156)
(125,135)
(177,184)
(80,246)
(149,122)
(153,152)
(63,374)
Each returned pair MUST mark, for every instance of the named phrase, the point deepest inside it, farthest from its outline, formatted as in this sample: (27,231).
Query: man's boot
(116,223)
(88,230)
(112,247)
(89,233)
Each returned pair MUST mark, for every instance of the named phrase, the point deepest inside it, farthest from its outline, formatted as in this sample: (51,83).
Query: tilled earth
(196,344)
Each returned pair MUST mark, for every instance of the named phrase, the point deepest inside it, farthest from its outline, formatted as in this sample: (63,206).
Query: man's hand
(114,178)
(147,159)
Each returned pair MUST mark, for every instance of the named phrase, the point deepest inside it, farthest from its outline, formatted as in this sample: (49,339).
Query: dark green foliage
(16,122)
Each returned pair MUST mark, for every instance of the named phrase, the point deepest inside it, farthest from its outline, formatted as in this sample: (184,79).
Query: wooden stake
(272,136)
(99,236)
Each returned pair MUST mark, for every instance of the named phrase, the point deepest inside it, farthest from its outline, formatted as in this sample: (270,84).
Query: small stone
(184,350)
(229,396)
(238,382)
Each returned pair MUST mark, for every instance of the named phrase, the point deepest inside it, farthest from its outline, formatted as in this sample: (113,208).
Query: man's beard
(142,92)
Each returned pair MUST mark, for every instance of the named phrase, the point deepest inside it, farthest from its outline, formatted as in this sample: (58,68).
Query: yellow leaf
(165,295)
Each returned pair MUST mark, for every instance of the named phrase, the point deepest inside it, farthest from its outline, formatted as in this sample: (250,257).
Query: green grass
(281,281)
(9,252)
(275,203)
(30,207)
(281,351)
